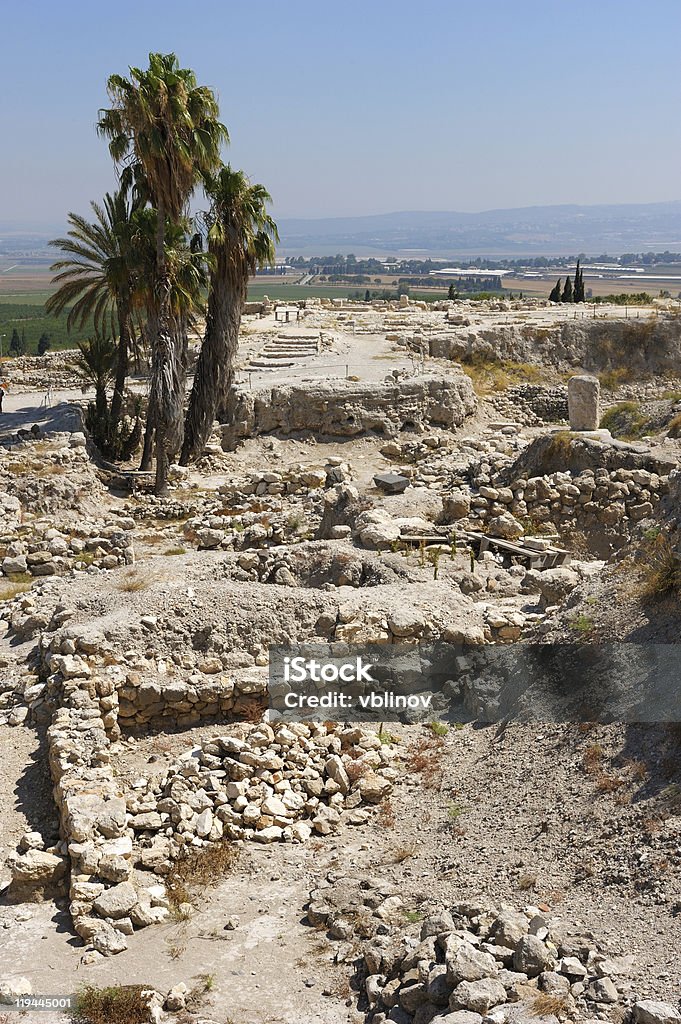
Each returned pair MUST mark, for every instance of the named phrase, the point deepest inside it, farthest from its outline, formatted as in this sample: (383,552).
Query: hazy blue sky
(362,107)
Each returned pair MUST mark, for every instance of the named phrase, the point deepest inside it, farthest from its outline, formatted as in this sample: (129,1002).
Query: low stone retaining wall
(606,506)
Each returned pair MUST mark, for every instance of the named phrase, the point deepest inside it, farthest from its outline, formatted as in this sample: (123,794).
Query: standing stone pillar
(584,395)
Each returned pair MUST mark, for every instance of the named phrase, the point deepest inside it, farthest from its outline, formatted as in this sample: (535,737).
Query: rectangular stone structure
(584,394)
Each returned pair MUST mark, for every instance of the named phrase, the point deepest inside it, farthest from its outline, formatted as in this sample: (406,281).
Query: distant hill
(530,230)
(547,230)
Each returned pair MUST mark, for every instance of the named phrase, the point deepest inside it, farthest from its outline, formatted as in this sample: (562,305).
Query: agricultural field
(23,292)
(540,287)
(29,320)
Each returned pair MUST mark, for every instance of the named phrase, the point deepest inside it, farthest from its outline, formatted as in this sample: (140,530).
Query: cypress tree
(578,295)
(44,342)
(567,290)
(555,295)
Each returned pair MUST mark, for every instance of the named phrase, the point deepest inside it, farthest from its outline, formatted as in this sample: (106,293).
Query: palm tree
(96,364)
(241,237)
(187,271)
(96,277)
(162,120)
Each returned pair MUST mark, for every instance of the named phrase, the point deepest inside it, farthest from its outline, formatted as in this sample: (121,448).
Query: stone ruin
(346,408)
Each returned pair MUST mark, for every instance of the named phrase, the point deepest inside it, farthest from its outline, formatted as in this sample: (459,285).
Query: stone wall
(344,408)
(281,783)
(605,506)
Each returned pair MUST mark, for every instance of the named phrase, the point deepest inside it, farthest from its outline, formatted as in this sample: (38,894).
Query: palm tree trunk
(215,366)
(166,370)
(121,361)
(150,427)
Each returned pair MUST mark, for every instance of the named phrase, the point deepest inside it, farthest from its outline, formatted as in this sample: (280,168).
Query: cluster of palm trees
(140,271)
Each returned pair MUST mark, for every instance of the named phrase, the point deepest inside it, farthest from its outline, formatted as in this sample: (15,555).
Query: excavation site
(164,829)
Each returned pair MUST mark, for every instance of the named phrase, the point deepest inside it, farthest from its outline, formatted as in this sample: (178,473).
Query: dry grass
(385,815)
(10,589)
(200,869)
(33,468)
(612,379)
(356,769)
(544,1004)
(250,709)
(425,758)
(608,783)
(625,420)
(489,375)
(592,758)
(638,770)
(527,881)
(561,444)
(674,426)
(403,853)
(137,579)
(661,576)
(122,1004)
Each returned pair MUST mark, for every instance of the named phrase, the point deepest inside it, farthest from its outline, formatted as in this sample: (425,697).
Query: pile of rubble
(42,482)
(293,480)
(43,550)
(474,962)
(262,784)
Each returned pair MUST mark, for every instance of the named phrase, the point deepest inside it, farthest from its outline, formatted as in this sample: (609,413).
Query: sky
(353,108)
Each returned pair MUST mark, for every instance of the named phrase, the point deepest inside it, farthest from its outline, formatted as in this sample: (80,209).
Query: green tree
(17,343)
(163,121)
(556,293)
(578,294)
(241,238)
(567,290)
(44,342)
(98,277)
(96,364)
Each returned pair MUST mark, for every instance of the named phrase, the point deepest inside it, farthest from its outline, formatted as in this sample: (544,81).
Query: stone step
(270,364)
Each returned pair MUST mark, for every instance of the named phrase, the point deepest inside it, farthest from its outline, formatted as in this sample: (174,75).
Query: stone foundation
(344,408)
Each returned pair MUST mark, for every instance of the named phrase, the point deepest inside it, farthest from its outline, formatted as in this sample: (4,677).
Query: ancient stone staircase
(286,350)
